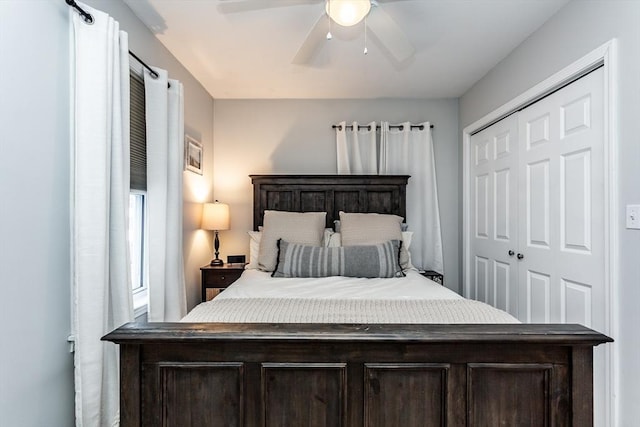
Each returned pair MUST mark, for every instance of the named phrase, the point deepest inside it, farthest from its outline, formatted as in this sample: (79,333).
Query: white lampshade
(215,216)
(348,12)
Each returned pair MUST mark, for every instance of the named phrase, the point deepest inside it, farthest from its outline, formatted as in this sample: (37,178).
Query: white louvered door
(537,181)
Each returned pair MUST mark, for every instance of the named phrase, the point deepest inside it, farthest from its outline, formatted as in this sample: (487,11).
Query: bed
(305,366)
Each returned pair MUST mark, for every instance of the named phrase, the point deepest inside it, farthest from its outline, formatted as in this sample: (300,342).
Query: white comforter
(259,284)
(258,298)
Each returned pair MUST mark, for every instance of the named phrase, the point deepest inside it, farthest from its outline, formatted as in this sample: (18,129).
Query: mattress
(259,298)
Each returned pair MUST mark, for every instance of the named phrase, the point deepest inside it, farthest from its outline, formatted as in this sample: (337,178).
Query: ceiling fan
(341,12)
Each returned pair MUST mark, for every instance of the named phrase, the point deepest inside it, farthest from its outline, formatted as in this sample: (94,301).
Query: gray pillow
(381,260)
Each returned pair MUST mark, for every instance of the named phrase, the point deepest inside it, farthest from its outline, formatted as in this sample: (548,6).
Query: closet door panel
(494,209)
(561,274)
(561,198)
(537,192)
(502,218)
(575,212)
(537,181)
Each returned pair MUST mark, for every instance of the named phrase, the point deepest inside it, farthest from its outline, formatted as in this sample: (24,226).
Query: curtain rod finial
(88,19)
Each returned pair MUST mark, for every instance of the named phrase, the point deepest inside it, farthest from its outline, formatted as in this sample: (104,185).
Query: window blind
(138,176)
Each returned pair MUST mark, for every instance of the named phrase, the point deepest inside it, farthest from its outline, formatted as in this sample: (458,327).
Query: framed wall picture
(192,155)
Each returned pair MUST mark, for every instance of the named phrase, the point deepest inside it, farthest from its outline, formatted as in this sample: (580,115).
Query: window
(136,239)
(137,195)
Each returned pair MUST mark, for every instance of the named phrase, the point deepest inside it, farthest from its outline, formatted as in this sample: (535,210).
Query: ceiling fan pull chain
(365,36)
(329,36)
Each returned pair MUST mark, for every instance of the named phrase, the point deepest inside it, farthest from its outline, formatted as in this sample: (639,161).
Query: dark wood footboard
(355,375)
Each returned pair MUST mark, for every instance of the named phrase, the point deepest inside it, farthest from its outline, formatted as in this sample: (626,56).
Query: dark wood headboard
(329,193)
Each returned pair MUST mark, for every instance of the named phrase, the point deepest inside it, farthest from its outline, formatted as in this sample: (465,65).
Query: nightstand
(435,276)
(215,279)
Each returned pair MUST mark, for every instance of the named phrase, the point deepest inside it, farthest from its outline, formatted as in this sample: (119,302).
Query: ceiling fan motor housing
(347,12)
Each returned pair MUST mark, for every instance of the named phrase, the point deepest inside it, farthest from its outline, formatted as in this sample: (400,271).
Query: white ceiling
(248,54)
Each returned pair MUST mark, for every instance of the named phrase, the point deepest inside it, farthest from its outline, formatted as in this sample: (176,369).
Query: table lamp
(215,216)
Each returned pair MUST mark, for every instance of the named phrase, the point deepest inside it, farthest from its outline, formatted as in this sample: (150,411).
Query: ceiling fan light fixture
(348,12)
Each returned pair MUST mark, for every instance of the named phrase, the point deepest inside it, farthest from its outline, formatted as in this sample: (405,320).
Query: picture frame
(192,155)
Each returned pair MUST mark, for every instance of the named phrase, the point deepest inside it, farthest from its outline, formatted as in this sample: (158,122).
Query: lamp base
(217,262)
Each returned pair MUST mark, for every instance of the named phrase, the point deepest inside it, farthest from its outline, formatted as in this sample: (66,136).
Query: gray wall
(295,136)
(36,367)
(576,30)
(36,377)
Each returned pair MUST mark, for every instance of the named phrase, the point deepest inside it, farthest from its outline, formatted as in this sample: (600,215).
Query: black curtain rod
(89,20)
(85,15)
(400,127)
(153,73)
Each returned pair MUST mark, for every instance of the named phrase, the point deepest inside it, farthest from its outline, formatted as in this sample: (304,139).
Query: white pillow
(407,237)
(254,249)
(336,224)
(328,234)
(369,228)
(305,228)
(332,240)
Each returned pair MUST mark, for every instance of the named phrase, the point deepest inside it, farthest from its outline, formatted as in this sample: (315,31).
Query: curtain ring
(86,17)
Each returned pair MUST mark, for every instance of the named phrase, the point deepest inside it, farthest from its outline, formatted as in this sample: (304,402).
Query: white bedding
(259,284)
(258,298)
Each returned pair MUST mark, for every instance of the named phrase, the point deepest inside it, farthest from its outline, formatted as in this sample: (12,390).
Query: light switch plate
(633,217)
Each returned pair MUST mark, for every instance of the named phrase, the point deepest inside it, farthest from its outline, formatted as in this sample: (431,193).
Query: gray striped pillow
(381,260)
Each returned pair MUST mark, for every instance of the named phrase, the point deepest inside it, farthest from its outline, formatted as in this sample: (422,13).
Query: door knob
(520,256)
(511,253)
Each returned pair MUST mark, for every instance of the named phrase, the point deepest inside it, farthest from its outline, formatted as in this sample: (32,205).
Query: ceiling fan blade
(313,41)
(230,6)
(389,34)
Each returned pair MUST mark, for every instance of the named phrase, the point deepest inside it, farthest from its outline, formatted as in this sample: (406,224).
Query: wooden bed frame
(208,374)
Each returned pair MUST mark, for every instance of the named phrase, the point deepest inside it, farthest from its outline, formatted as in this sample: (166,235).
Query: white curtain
(356,148)
(165,156)
(410,151)
(101,283)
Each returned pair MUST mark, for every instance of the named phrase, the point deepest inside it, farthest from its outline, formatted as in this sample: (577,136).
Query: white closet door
(537,181)
(561,199)
(561,209)
(494,197)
